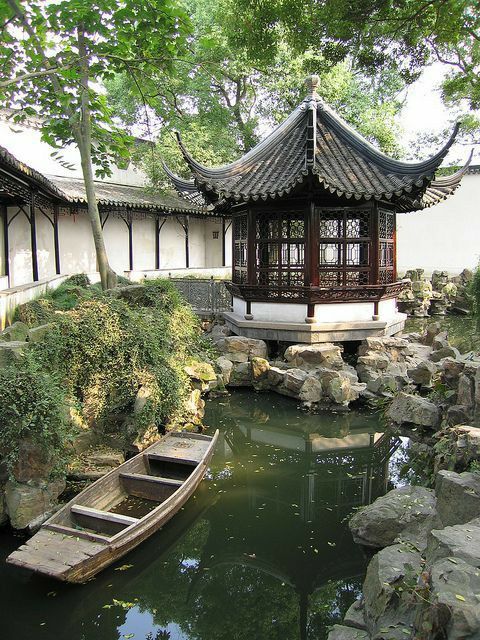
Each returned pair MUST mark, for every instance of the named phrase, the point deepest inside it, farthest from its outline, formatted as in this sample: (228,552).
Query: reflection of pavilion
(293,527)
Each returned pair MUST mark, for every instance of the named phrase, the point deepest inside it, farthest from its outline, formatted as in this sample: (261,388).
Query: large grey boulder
(26,502)
(460,541)
(34,462)
(466,391)
(341,632)
(444,352)
(458,496)
(241,375)
(355,616)
(408,513)
(36,334)
(408,408)
(341,391)
(294,379)
(241,349)
(17,332)
(225,366)
(454,610)
(276,376)
(312,391)
(423,373)
(11,352)
(391,568)
(309,356)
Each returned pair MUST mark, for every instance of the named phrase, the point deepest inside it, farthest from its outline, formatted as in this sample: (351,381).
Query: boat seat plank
(180,448)
(103,515)
(163,458)
(76,533)
(101,521)
(149,487)
(192,436)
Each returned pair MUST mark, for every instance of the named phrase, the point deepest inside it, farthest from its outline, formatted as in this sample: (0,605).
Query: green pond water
(261,551)
(463,331)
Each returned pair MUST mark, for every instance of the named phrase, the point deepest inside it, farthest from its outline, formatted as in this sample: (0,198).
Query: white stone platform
(315,332)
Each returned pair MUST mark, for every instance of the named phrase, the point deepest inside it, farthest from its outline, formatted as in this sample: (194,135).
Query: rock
(456,414)
(201,371)
(11,352)
(294,380)
(423,373)
(3,506)
(460,541)
(311,392)
(407,408)
(219,331)
(433,329)
(133,294)
(34,462)
(451,370)
(453,612)
(143,397)
(241,375)
(440,341)
(25,502)
(240,349)
(309,356)
(106,458)
(36,334)
(260,368)
(276,376)
(340,632)
(466,391)
(391,568)
(444,352)
(226,367)
(194,407)
(354,616)
(341,391)
(409,512)
(17,332)
(34,525)
(458,496)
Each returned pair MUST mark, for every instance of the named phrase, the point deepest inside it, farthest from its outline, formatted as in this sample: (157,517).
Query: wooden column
(312,248)
(6,247)
(187,245)
(130,244)
(56,244)
(33,237)
(157,244)
(223,241)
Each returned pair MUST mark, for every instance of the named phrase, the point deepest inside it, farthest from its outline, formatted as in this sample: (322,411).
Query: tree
(56,55)
(222,100)
(406,35)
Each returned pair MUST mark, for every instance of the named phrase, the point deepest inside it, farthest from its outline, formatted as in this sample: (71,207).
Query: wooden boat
(95,529)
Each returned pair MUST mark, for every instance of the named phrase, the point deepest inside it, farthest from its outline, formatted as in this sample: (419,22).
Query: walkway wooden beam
(130,244)
(33,237)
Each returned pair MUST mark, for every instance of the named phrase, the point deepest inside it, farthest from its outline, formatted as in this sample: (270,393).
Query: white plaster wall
(144,244)
(196,241)
(25,143)
(239,306)
(20,250)
(344,312)
(45,247)
(387,309)
(228,245)
(278,312)
(445,236)
(223,273)
(213,246)
(115,233)
(77,251)
(172,245)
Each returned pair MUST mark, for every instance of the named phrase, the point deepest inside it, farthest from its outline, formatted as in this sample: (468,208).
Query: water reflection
(261,552)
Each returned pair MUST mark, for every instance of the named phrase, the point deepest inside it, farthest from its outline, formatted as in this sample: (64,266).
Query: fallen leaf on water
(124,567)
(458,597)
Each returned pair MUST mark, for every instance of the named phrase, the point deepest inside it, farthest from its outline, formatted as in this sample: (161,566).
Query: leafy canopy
(44,71)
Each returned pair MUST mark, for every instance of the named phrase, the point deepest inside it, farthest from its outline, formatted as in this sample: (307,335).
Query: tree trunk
(107,276)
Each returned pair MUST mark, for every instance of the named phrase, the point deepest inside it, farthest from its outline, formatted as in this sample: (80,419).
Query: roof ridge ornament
(312,83)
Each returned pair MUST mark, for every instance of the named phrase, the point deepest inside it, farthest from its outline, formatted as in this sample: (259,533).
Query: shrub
(475,291)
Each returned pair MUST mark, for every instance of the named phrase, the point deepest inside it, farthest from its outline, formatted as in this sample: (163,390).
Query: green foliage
(32,405)
(95,358)
(474,290)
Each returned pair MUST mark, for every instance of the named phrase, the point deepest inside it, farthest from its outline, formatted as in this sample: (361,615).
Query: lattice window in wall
(345,247)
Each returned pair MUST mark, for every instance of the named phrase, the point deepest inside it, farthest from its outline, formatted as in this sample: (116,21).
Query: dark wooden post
(251,266)
(33,237)
(187,245)
(130,244)
(312,249)
(375,245)
(223,241)
(6,248)
(56,244)
(157,243)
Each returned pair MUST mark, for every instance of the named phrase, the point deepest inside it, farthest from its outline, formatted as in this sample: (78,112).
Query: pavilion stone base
(341,322)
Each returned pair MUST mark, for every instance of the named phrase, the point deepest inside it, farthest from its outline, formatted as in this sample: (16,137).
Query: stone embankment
(424,580)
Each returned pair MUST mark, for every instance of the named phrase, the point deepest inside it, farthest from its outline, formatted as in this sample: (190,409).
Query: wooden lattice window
(240,236)
(280,250)
(345,247)
(386,246)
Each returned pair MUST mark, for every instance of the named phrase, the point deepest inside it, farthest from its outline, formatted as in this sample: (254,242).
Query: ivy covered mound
(82,367)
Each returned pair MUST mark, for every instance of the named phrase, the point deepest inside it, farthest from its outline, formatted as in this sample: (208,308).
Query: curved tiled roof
(187,189)
(314,142)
